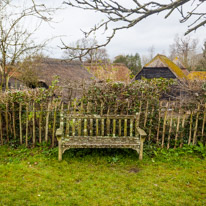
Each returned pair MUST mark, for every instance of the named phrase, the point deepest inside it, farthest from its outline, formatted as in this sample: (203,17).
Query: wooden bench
(95,131)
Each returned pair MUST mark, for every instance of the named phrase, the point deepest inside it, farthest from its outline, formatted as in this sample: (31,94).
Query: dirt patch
(134,170)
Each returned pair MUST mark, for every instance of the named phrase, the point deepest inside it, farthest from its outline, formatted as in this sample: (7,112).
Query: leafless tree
(201,64)
(96,55)
(125,16)
(16,40)
(185,49)
(150,55)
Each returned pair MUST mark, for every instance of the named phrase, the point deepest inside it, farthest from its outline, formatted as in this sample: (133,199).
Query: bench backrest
(96,125)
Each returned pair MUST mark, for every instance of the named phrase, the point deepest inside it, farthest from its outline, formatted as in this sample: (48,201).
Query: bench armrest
(141,132)
(59,133)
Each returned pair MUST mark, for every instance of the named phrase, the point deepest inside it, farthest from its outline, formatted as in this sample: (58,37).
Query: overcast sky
(153,31)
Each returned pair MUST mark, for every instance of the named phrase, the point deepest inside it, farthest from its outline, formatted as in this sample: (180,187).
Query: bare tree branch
(16,41)
(131,15)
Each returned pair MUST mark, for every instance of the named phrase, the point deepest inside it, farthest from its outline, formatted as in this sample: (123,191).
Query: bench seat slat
(103,146)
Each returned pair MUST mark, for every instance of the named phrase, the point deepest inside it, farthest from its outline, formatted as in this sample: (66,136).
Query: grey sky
(154,31)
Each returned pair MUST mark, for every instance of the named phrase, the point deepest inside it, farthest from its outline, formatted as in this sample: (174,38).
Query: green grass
(99,177)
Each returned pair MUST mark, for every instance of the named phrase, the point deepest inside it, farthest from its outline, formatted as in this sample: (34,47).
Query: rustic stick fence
(168,124)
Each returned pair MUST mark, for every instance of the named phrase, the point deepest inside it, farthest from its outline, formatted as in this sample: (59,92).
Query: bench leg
(142,139)
(60,150)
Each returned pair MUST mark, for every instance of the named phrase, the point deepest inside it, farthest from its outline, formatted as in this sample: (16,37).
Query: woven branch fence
(168,124)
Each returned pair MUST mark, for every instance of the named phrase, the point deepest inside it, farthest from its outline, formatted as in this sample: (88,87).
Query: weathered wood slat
(73,126)
(120,127)
(131,127)
(97,127)
(79,127)
(125,127)
(85,127)
(137,123)
(114,128)
(108,126)
(102,127)
(91,127)
(67,122)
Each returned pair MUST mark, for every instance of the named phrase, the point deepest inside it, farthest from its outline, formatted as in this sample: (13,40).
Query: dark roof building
(161,67)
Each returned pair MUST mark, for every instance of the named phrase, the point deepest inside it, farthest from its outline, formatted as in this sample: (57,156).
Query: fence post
(54,123)
(1,132)
(47,122)
(34,125)
(20,123)
(13,119)
(190,133)
(196,125)
(146,114)
(27,122)
(170,128)
(164,125)
(150,123)
(178,127)
(7,123)
(203,124)
(159,119)
(40,123)
(182,132)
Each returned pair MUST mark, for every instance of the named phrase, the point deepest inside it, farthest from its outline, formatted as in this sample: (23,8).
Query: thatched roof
(197,75)
(161,61)
(112,72)
(48,68)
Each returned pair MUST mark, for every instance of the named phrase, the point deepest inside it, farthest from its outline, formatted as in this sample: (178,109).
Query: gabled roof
(163,61)
(197,75)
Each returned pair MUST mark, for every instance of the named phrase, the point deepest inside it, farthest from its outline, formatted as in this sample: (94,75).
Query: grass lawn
(99,177)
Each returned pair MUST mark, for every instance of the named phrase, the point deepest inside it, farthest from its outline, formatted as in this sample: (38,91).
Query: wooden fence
(168,124)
